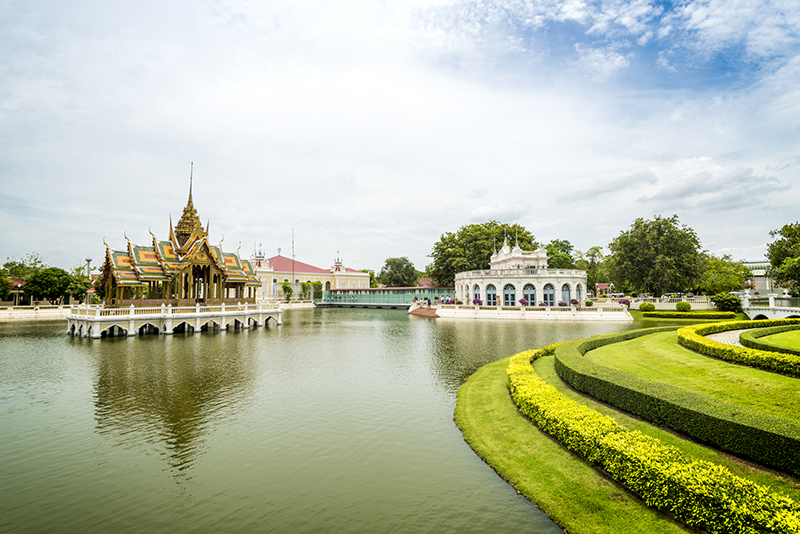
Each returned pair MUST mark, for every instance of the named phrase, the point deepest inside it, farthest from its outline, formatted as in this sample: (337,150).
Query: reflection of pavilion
(181,284)
(169,395)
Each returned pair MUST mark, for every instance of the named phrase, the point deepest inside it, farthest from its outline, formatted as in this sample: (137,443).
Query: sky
(369,129)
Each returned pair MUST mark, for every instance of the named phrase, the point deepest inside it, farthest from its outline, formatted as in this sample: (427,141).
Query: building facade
(273,272)
(519,277)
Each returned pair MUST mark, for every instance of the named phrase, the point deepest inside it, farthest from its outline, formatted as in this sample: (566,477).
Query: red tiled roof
(284,265)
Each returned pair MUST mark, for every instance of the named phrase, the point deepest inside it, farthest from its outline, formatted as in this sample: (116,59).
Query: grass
(789,339)
(578,497)
(575,495)
(660,358)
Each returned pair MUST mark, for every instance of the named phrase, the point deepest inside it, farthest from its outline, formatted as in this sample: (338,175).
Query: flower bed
(692,337)
(700,493)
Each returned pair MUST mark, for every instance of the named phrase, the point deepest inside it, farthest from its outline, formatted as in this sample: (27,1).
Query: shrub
(692,337)
(542,304)
(750,339)
(727,302)
(575,302)
(523,302)
(770,440)
(647,306)
(477,302)
(688,315)
(701,493)
(588,303)
(683,306)
(562,303)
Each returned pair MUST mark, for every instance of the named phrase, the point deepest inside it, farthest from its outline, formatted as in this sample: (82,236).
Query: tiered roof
(188,241)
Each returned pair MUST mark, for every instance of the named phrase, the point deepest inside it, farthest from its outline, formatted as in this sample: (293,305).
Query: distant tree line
(41,281)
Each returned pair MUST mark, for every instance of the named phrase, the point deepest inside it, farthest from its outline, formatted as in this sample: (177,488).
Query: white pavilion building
(516,274)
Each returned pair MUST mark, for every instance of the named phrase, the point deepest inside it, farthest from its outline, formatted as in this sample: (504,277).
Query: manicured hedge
(689,315)
(767,439)
(692,337)
(751,339)
(700,493)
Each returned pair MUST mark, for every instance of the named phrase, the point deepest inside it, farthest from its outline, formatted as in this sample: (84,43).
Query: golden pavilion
(184,270)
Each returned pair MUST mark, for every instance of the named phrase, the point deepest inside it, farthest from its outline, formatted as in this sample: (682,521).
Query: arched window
(476,291)
(529,294)
(549,295)
(578,292)
(491,295)
(565,293)
(509,295)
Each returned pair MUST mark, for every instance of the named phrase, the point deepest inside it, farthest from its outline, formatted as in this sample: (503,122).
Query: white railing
(528,271)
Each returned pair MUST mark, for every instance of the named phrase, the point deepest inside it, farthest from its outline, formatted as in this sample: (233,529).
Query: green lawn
(660,358)
(778,482)
(790,339)
(576,496)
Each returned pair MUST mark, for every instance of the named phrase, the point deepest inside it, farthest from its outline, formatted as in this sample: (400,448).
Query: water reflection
(168,391)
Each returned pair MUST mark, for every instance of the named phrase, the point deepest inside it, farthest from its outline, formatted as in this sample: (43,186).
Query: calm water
(338,421)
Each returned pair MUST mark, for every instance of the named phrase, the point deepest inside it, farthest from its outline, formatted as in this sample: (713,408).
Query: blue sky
(371,128)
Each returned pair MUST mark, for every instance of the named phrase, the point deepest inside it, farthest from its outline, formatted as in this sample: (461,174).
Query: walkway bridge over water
(771,307)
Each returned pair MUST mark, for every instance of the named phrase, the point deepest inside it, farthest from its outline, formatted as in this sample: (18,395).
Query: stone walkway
(731,337)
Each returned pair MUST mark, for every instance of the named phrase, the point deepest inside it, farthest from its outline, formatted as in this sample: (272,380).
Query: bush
(562,303)
(477,302)
(751,340)
(575,302)
(683,306)
(625,302)
(701,493)
(692,337)
(588,303)
(688,315)
(523,302)
(727,302)
(769,440)
(647,306)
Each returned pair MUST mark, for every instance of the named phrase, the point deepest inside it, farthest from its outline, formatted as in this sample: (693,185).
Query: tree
(373,282)
(317,289)
(78,287)
(592,262)
(656,256)
(786,246)
(305,289)
(559,254)
(398,272)
(50,284)
(471,248)
(788,275)
(288,291)
(22,269)
(5,286)
(721,275)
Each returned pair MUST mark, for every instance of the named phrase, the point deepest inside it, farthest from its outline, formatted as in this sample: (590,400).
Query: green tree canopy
(786,246)
(373,282)
(50,284)
(788,275)
(471,248)
(78,287)
(592,262)
(560,254)
(656,256)
(398,272)
(25,267)
(5,286)
(721,275)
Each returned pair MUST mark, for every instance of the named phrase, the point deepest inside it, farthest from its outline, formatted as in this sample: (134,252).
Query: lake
(340,420)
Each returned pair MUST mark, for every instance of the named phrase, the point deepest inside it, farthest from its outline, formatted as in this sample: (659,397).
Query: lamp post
(88,277)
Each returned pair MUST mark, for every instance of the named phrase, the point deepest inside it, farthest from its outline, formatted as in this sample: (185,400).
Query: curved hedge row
(689,315)
(750,339)
(692,337)
(767,439)
(700,493)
